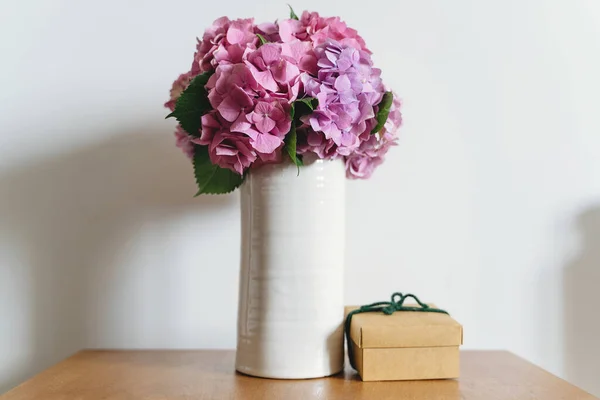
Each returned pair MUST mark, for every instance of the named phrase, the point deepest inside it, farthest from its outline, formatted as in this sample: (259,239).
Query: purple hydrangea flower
(371,153)
(348,88)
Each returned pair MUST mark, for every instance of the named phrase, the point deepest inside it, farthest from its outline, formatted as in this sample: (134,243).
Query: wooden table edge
(50,370)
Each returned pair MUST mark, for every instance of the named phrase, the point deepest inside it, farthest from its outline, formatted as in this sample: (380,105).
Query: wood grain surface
(209,374)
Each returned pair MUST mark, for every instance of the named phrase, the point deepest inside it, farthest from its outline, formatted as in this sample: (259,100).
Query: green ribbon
(388,308)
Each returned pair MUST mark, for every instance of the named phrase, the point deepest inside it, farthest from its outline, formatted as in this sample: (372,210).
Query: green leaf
(192,105)
(384,110)
(212,179)
(292,13)
(290,143)
(263,40)
(304,106)
(310,102)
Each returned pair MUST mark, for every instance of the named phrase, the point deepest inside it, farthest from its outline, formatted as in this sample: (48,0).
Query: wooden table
(206,374)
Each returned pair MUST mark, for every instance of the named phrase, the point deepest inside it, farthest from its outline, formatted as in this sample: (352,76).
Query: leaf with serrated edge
(192,105)
(384,111)
(212,179)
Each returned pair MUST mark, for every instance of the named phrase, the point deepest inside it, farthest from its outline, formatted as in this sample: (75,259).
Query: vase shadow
(581,315)
(67,226)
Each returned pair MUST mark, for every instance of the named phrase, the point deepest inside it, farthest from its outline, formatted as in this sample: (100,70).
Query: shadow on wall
(582,307)
(63,216)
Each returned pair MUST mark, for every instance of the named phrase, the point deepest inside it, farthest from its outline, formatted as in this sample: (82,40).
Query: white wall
(490,206)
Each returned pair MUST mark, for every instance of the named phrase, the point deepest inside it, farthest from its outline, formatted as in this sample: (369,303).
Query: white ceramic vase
(292,264)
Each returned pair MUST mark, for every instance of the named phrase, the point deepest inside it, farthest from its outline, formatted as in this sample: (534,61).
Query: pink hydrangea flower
(241,32)
(276,157)
(234,94)
(266,125)
(225,148)
(317,29)
(253,87)
(301,54)
(274,73)
(180,84)
(212,123)
(232,151)
(206,47)
(270,31)
(224,42)
(336,29)
(184,142)
(231,90)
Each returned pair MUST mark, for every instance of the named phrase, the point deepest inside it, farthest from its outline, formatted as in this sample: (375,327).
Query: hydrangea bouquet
(279,92)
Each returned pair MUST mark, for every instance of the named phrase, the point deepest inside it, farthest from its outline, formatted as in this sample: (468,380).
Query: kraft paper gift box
(405,345)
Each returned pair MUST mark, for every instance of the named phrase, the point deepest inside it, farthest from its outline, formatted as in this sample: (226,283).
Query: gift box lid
(404,329)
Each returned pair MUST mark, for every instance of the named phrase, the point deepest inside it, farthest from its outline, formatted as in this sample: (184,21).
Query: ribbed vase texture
(292,261)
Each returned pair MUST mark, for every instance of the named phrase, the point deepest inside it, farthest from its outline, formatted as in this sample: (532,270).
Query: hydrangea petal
(264,124)
(266,143)
(265,79)
(229,109)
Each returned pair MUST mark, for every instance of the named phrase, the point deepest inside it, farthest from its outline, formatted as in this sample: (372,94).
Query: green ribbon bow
(388,308)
